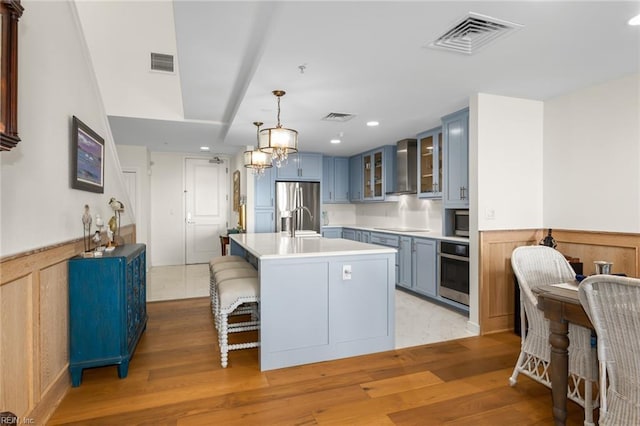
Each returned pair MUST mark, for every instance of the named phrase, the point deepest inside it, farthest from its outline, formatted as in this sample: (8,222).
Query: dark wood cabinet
(10,12)
(107,309)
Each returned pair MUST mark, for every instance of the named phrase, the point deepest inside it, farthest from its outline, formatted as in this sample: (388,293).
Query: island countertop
(279,245)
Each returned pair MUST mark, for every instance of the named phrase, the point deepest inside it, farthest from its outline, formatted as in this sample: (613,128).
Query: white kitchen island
(320,298)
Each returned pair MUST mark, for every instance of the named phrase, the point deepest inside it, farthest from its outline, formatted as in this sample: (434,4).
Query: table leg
(559,341)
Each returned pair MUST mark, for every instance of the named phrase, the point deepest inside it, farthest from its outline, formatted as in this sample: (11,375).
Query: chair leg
(588,403)
(514,377)
(223,340)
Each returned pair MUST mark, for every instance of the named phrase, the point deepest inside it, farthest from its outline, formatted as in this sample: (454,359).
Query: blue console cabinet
(107,309)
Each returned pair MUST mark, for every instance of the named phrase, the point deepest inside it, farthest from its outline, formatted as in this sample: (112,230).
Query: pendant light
(278,141)
(255,159)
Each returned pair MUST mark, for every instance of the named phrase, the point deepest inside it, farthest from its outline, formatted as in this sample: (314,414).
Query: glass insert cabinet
(372,167)
(430,163)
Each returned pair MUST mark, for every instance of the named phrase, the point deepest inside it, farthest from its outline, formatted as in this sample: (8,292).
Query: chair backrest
(613,306)
(539,265)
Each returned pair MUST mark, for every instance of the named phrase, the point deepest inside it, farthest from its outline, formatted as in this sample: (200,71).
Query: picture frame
(87,158)
(236,191)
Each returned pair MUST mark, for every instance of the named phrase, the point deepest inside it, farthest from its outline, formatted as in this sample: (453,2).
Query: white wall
(592,156)
(138,159)
(55,82)
(508,153)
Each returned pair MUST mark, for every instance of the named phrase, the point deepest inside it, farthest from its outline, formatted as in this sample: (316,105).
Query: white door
(131,185)
(206,208)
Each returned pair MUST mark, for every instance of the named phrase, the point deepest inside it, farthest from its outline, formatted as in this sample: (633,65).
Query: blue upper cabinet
(378,173)
(265,190)
(355,178)
(430,163)
(455,132)
(307,166)
(335,180)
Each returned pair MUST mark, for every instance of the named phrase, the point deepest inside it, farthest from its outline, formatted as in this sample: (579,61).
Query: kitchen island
(320,298)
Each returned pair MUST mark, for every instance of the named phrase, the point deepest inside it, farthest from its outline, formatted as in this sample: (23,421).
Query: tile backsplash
(407,212)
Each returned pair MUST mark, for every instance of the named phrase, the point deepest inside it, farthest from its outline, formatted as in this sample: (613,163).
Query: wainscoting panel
(34,324)
(54,320)
(496,276)
(17,348)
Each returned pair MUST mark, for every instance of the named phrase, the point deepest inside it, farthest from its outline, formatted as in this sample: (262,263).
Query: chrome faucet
(292,217)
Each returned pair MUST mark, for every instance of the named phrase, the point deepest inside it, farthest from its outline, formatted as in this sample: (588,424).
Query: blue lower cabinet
(424,267)
(264,220)
(332,232)
(107,309)
(405,262)
(349,234)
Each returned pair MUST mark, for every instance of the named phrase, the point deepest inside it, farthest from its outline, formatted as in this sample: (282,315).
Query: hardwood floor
(175,378)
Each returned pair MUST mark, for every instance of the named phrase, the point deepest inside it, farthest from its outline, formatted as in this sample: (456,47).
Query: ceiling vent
(161,62)
(338,116)
(473,32)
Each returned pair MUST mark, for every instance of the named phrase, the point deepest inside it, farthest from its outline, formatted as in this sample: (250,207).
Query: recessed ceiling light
(335,140)
(204,148)
(372,123)
(635,20)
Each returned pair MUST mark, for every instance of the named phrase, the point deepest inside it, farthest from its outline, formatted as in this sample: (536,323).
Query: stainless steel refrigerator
(301,199)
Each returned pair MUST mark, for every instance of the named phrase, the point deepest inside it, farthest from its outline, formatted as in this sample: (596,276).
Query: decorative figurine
(99,225)
(114,222)
(86,228)
(549,241)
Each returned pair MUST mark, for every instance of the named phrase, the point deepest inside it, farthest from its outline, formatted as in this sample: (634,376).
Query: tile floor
(418,321)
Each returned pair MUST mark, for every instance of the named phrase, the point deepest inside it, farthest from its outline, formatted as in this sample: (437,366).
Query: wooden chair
(613,306)
(535,266)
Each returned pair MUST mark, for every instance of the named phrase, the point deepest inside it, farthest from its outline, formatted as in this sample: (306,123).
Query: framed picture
(236,191)
(87,158)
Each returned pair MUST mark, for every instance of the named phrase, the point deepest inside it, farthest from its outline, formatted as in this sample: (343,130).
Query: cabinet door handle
(329,194)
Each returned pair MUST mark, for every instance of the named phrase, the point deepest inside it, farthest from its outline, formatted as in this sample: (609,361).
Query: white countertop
(437,235)
(280,245)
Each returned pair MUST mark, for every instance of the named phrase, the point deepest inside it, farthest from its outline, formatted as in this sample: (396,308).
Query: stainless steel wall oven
(453,282)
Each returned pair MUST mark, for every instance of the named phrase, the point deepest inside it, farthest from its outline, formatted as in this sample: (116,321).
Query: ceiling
(367,58)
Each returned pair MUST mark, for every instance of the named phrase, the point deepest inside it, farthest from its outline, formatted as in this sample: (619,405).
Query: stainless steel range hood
(406,167)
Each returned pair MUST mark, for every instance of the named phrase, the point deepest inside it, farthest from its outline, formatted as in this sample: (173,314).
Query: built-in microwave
(461,223)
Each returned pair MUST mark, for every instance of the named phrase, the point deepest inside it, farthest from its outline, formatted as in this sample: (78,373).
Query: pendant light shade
(255,159)
(278,141)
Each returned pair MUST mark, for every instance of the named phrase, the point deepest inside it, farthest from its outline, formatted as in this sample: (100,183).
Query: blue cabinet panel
(107,309)
(265,220)
(405,262)
(332,232)
(455,128)
(424,267)
(355,178)
(307,166)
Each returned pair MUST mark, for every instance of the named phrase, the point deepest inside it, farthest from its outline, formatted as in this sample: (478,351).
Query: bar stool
(228,274)
(236,262)
(233,293)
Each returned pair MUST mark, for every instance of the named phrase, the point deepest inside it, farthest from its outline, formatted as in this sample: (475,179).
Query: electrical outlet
(346,272)
(490,214)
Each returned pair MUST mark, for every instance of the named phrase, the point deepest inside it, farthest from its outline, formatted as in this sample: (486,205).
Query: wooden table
(561,307)
(224,240)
